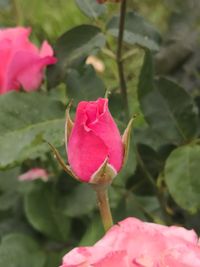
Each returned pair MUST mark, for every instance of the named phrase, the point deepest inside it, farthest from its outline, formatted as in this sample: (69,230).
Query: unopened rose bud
(94,139)
(96,151)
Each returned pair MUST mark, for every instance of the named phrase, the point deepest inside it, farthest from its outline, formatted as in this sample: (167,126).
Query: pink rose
(22,64)
(33,174)
(133,243)
(94,139)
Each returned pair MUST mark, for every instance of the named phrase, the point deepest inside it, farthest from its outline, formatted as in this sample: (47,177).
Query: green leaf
(167,107)
(91,8)
(8,200)
(8,180)
(18,250)
(84,85)
(146,136)
(182,177)
(25,121)
(13,224)
(137,31)
(129,207)
(72,48)
(93,233)
(54,259)
(150,160)
(81,201)
(8,185)
(45,214)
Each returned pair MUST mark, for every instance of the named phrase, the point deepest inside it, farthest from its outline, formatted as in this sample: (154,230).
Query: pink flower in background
(133,243)
(22,64)
(94,138)
(33,174)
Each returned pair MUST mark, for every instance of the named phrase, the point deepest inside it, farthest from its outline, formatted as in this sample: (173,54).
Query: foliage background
(40,222)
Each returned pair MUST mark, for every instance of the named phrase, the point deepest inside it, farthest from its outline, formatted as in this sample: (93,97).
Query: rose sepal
(60,160)
(126,137)
(69,124)
(104,175)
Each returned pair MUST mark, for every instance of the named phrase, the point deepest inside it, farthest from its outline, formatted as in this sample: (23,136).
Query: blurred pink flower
(22,64)
(33,174)
(133,243)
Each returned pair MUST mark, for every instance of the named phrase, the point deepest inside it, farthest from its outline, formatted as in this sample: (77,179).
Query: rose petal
(116,258)
(26,69)
(86,152)
(46,50)
(105,128)
(31,77)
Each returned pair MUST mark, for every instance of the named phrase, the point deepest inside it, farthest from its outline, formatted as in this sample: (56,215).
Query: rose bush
(94,138)
(22,63)
(133,243)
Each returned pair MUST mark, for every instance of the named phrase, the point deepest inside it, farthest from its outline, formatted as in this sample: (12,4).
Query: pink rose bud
(133,243)
(96,151)
(94,139)
(22,64)
(34,174)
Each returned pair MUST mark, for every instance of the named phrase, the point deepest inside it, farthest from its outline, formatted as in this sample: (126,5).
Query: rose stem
(122,80)
(104,206)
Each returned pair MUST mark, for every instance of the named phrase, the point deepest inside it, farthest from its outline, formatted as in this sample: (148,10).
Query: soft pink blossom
(33,174)
(94,138)
(22,64)
(133,243)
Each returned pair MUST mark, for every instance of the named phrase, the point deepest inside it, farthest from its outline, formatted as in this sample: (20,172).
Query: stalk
(122,80)
(104,206)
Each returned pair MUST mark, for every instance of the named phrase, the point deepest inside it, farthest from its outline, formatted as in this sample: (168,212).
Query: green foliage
(44,213)
(137,31)
(84,84)
(80,202)
(72,48)
(182,176)
(91,8)
(26,121)
(94,232)
(20,250)
(176,121)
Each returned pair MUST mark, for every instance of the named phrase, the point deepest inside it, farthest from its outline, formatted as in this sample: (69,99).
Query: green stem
(122,80)
(104,206)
